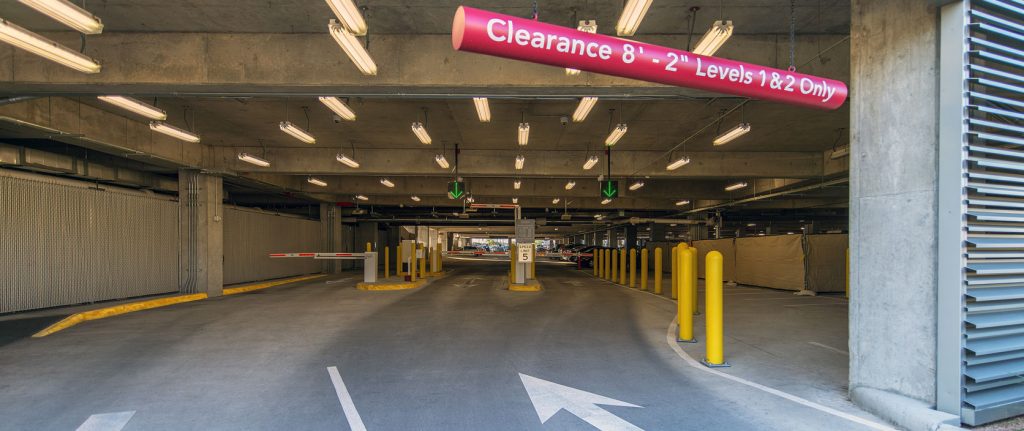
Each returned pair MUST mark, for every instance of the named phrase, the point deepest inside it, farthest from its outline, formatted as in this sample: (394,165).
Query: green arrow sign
(609,189)
(456,189)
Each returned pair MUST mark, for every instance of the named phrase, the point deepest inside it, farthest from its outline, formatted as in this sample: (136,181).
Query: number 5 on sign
(524,253)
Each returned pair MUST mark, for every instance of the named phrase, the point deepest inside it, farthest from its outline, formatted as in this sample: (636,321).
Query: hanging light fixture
(590,163)
(483,109)
(355,50)
(415,198)
(733,133)
(46,48)
(616,134)
(362,198)
(137,106)
(347,161)
(339,107)
(517,184)
(586,26)
(316,181)
(569,185)
(736,186)
(636,186)
(556,200)
(714,38)
(421,133)
(387,183)
(297,132)
(520,162)
(67,13)
(441,161)
(349,15)
(524,133)
(174,132)
(632,14)
(606,201)
(678,163)
(682,202)
(515,200)
(251,159)
(583,109)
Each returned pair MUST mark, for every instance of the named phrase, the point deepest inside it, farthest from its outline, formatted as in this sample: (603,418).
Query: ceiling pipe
(638,220)
(16,99)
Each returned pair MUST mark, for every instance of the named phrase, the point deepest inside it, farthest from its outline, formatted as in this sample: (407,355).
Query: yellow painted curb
(405,285)
(531,286)
(264,285)
(102,313)
(436,274)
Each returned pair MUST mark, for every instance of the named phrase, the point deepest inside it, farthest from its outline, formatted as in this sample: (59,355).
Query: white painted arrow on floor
(549,397)
(107,421)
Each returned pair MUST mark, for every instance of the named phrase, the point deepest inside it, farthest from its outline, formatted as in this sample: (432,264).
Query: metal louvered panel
(250,235)
(992,386)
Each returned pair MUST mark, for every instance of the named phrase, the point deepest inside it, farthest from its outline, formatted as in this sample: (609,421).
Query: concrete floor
(444,357)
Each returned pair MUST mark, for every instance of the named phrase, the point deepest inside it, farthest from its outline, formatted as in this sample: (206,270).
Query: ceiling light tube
(714,38)
(46,48)
(571,72)
(733,133)
(517,184)
(515,200)
(441,161)
(421,133)
(387,183)
(556,200)
(249,158)
(339,107)
(590,163)
(734,187)
(616,134)
(483,109)
(415,198)
(174,132)
(682,202)
(636,186)
(583,109)
(524,133)
(316,181)
(470,199)
(680,162)
(137,106)
(347,161)
(349,15)
(606,202)
(297,132)
(520,162)
(569,185)
(355,50)
(362,198)
(68,14)
(632,14)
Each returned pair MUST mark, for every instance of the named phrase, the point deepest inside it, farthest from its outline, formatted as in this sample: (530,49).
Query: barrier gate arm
(369,267)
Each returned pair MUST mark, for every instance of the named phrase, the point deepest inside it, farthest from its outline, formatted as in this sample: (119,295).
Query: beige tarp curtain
(771,261)
(826,262)
(724,246)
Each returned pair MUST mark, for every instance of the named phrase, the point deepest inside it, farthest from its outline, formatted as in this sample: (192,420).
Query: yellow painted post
(369,247)
(423,261)
(399,269)
(512,264)
(675,273)
(533,264)
(713,310)
(693,279)
(643,269)
(387,262)
(595,260)
(684,306)
(607,264)
(847,273)
(615,265)
(657,270)
(632,268)
(622,267)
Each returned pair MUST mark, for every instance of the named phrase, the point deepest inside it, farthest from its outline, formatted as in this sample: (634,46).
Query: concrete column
(330,235)
(657,232)
(613,238)
(630,233)
(893,200)
(201,235)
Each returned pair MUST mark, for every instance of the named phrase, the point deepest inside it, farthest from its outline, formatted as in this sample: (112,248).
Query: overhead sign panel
(490,33)
(609,189)
(456,189)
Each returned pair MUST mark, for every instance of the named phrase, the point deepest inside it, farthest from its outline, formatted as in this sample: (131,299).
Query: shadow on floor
(16,329)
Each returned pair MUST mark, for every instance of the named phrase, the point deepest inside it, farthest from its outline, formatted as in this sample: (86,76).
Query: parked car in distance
(587,261)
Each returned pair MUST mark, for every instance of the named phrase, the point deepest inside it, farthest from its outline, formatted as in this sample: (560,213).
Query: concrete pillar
(893,200)
(330,235)
(630,233)
(613,238)
(657,232)
(201,233)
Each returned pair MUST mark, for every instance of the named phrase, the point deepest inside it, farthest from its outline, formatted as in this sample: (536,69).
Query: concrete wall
(893,123)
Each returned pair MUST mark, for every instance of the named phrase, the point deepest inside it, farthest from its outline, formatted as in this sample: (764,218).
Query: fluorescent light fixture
(636,186)
(555,200)
(590,163)
(616,134)
(515,200)
(587,26)
(349,15)
(355,50)
(569,185)
(840,152)
(362,198)
(733,133)
(470,199)
(335,104)
(517,184)
(734,187)
(387,183)
(441,161)
(483,109)
(46,48)
(682,202)
(583,109)
(249,158)
(347,161)
(316,181)
(174,132)
(631,16)
(415,198)
(137,106)
(520,162)
(571,72)
(680,162)
(714,38)
(297,132)
(606,202)
(421,133)
(524,133)
(68,14)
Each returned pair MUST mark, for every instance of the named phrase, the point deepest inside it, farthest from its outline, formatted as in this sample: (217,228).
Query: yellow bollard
(607,264)
(387,264)
(615,265)
(684,306)
(622,267)
(713,310)
(512,264)
(632,268)
(675,273)
(423,261)
(657,270)
(595,260)
(643,269)
(533,264)
(369,247)
(693,279)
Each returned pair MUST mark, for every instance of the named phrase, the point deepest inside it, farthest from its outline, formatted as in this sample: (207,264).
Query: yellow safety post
(607,264)
(595,260)
(643,269)
(657,270)
(512,264)
(615,265)
(693,279)
(533,264)
(423,261)
(632,268)
(847,273)
(622,267)
(675,272)
(387,264)
(369,247)
(399,268)
(713,310)
(685,305)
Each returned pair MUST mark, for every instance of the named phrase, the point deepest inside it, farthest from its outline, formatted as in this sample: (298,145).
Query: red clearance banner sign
(490,33)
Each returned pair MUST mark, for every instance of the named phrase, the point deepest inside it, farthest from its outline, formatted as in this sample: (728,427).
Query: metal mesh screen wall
(251,235)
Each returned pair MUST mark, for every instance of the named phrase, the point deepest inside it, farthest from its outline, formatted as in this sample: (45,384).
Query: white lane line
(337,281)
(827,347)
(107,421)
(670,337)
(832,304)
(777,299)
(351,414)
